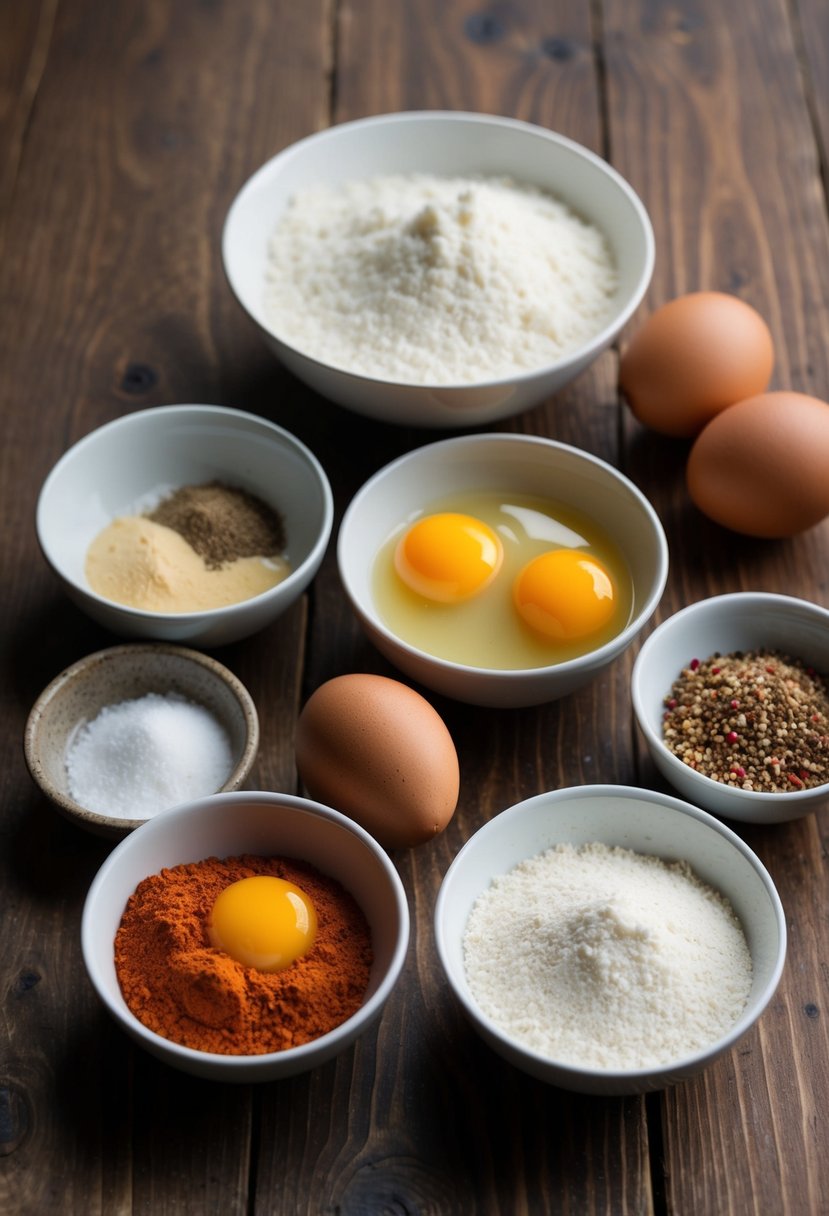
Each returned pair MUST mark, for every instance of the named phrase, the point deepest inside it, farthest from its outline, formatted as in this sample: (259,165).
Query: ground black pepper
(757,720)
(221,522)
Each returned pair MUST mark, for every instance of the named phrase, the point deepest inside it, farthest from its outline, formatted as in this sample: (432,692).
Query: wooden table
(126,130)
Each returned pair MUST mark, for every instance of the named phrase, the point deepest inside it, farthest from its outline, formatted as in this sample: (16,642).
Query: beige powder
(146,565)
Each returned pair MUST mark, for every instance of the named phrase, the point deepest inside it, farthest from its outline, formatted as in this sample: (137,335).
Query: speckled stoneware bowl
(122,673)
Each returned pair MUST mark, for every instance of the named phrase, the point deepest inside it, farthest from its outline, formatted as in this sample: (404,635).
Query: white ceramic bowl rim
(218,412)
(731,599)
(598,340)
(508,675)
(748,1018)
(365,1012)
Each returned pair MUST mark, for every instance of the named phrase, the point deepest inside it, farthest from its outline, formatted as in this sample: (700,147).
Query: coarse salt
(606,958)
(431,280)
(144,755)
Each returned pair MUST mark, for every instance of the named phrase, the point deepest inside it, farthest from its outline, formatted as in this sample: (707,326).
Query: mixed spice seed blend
(757,720)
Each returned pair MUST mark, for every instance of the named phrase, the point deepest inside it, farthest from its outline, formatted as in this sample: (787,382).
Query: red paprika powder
(184,989)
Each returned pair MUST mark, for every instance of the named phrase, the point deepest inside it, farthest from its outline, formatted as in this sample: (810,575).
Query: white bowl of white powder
(609,939)
(439,269)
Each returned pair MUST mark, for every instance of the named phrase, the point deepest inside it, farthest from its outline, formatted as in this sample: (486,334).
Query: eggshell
(694,357)
(376,750)
(762,467)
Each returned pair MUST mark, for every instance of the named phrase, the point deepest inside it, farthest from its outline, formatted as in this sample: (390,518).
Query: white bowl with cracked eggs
(439,144)
(505,465)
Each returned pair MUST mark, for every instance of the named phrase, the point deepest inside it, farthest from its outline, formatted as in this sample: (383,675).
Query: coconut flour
(606,958)
(431,280)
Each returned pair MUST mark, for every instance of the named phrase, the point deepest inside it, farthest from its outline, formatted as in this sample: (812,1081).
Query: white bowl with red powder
(266,825)
(735,698)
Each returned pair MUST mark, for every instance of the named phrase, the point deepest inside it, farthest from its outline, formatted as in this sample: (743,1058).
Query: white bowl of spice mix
(608,939)
(732,696)
(439,268)
(501,570)
(246,936)
(194,524)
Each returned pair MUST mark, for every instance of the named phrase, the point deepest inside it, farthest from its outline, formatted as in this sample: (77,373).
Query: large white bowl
(630,818)
(152,451)
(519,463)
(265,824)
(743,620)
(441,143)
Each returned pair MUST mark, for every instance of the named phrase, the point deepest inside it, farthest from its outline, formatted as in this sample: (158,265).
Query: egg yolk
(448,557)
(564,594)
(263,922)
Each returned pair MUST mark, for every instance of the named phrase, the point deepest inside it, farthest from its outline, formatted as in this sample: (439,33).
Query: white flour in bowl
(605,958)
(430,280)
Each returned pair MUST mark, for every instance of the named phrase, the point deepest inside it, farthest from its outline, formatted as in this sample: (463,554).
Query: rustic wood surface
(126,129)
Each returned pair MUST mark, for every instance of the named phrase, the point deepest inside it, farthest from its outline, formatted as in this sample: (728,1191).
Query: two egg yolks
(263,922)
(451,557)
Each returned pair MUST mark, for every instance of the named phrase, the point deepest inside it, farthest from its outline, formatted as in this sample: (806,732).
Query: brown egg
(762,466)
(376,750)
(692,358)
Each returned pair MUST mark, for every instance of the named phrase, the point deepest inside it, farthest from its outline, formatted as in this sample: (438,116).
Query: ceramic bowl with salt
(140,758)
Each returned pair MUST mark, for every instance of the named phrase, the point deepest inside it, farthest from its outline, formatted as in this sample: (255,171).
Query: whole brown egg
(694,357)
(376,750)
(762,467)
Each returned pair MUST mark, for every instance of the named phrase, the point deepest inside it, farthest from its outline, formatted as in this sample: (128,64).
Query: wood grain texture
(140,124)
(129,128)
(714,161)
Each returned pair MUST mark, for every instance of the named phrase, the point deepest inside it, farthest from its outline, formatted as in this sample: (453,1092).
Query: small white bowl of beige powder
(609,939)
(438,268)
(195,524)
